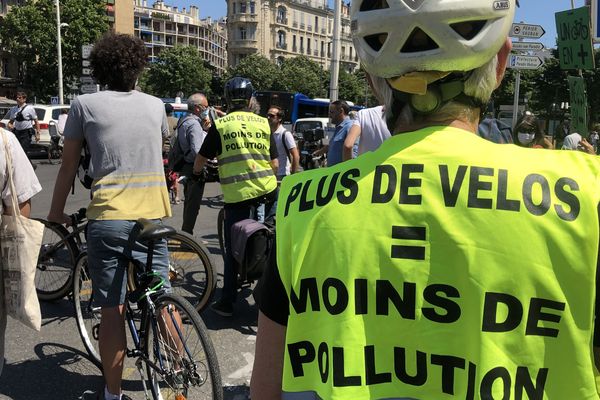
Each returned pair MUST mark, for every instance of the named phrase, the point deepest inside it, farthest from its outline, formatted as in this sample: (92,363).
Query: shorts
(110,247)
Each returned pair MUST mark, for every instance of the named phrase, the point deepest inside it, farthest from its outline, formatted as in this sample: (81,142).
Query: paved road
(52,364)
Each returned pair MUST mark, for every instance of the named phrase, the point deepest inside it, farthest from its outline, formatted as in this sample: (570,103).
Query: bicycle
(170,339)
(191,270)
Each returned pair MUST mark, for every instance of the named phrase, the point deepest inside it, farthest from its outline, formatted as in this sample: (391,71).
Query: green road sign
(578,105)
(574,39)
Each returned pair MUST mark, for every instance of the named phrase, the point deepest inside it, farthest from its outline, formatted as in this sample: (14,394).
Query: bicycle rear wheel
(87,314)
(54,272)
(191,271)
(182,361)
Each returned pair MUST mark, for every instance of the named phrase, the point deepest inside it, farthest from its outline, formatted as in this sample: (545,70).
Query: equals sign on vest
(412,233)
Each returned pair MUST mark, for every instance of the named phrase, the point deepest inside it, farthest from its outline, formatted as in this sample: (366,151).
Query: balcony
(302,26)
(282,21)
(243,18)
(309,28)
(323,31)
(295,49)
(243,43)
(316,53)
(294,24)
(282,46)
(301,50)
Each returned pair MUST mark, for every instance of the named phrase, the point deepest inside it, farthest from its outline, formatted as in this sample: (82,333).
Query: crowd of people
(431,228)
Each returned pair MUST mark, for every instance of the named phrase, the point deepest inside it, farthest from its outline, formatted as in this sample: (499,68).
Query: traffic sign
(575,49)
(578,98)
(86,49)
(527,46)
(89,88)
(527,31)
(524,62)
(54,100)
(85,63)
(87,79)
(86,71)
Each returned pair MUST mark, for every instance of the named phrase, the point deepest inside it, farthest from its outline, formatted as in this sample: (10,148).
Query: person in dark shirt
(247,157)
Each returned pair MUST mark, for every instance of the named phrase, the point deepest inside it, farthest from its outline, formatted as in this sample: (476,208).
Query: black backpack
(252,255)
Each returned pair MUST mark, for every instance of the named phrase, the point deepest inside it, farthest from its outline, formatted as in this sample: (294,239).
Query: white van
(304,124)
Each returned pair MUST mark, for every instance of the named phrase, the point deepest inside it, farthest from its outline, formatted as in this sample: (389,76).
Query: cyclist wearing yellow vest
(441,266)
(247,156)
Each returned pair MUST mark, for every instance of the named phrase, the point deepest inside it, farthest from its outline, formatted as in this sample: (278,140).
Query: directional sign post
(575,49)
(527,31)
(527,46)
(525,62)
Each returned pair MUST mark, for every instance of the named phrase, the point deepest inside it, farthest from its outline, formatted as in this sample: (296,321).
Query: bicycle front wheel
(54,271)
(191,271)
(182,363)
(87,314)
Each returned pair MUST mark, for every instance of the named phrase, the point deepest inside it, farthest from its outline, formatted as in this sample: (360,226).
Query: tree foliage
(177,69)
(301,74)
(28,33)
(262,72)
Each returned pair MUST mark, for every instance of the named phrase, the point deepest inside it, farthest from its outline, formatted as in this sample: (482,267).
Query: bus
(295,105)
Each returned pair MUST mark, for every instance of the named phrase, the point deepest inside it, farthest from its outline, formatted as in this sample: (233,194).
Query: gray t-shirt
(29,116)
(373,129)
(124,132)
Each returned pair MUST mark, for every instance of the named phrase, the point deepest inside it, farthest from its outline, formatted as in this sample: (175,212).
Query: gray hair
(480,85)
(195,99)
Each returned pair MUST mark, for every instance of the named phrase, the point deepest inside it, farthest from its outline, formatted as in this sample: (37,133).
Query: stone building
(278,29)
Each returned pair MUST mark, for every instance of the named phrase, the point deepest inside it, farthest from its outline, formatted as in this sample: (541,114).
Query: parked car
(45,114)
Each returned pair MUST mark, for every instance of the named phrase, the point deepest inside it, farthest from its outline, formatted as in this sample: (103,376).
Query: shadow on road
(60,372)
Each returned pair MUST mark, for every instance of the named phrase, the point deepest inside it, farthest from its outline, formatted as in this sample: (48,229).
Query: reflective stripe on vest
(441,266)
(244,163)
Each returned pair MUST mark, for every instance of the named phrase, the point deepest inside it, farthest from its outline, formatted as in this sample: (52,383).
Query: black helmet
(238,92)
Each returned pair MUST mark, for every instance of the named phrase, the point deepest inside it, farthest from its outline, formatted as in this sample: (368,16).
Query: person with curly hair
(528,133)
(127,168)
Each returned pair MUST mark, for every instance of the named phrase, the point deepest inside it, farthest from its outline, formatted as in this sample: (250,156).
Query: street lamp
(59,51)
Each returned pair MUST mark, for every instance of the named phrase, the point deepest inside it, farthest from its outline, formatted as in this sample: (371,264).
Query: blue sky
(538,12)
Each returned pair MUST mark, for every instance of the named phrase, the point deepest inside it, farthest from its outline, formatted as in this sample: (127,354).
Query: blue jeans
(235,214)
(111,246)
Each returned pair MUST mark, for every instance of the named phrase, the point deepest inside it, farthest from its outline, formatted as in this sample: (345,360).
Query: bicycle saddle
(151,231)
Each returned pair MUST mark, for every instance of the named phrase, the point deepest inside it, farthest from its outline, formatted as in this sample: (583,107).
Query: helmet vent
(419,41)
(376,41)
(369,5)
(468,30)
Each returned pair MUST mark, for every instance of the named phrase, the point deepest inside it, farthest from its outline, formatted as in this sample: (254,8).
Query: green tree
(301,74)
(28,33)
(262,72)
(177,69)
(351,87)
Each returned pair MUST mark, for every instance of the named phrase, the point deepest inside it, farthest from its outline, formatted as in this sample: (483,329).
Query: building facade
(161,26)
(278,29)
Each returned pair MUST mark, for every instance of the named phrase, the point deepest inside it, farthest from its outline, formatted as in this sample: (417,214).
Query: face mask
(204,114)
(526,138)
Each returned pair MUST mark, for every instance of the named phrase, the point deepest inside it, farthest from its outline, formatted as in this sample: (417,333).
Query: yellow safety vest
(441,266)
(244,163)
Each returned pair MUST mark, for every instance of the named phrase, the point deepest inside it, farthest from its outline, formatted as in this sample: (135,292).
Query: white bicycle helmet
(452,35)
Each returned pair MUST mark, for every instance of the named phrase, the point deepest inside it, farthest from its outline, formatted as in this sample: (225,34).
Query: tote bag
(20,241)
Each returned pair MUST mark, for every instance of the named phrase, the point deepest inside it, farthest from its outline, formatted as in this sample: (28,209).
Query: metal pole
(335,59)
(516,99)
(59,50)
